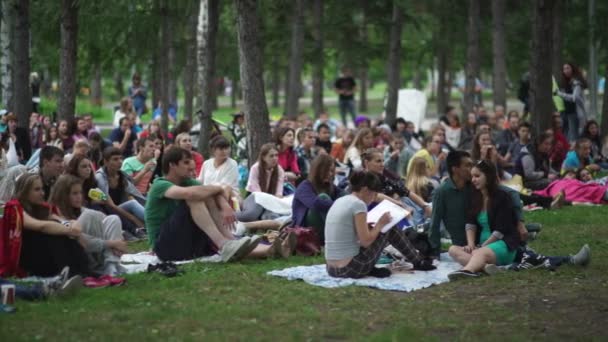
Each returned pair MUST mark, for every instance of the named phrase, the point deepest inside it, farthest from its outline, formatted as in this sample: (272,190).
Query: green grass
(240,302)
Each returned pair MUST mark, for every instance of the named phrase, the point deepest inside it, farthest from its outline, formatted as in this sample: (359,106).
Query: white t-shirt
(227,174)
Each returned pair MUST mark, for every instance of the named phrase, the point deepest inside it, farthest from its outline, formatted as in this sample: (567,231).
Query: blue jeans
(418,214)
(33,292)
(347,106)
(570,122)
(134,208)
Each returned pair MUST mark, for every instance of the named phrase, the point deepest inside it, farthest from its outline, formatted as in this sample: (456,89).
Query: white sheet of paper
(397,214)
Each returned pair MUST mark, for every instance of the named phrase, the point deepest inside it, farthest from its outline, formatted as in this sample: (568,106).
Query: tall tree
(393,68)
(66,105)
(318,66)
(473,54)
(364,65)
(558,38)
(190,70)
(252,77)
(296,61)
(443,50)
(208,20)
(22,105)
(499,70)
(593,62)
(541,102)
(163,60)
(7,27)
(604,122)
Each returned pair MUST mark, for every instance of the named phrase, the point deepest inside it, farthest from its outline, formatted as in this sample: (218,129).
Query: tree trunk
(363,69)
(172,85)
(363,81)
(499,70)
(317,73)
(295,60)
(442,83)
(394,64)
(541,101)
(206,37)
(96,92)
(191,66)
(276,81)
(593,63)
(7,29)
(417,78)
(235,93)
(22,105)
(558,38)
(119,86)
(155,74)
(604,123)
(165,42)
(472,64)
(66,105)
(252,73)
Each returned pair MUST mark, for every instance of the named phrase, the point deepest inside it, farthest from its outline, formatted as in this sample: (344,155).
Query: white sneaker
(583,257)
(240,229)
(234,249)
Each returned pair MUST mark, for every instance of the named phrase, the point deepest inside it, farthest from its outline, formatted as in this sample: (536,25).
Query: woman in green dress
(491,229)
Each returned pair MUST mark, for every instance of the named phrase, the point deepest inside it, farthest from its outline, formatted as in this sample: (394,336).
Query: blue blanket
(406,282)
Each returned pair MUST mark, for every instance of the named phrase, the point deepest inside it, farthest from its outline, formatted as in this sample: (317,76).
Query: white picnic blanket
(406,282)
(137,263)
(281,206)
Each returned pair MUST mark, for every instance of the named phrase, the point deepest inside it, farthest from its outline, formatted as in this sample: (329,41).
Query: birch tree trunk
(499,70)
(7,17)
(363,70)
(66,105)
(472,64)
(276,81)
(22,100)
(206,40)
(541,101)
(252,73)
(295,60)
(393,68)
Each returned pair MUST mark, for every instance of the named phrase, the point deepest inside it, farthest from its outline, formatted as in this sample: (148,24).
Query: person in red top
(561,145)
(184,141)
(288,160)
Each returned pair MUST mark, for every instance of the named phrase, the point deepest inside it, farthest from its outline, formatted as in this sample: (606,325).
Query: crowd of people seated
(80,198)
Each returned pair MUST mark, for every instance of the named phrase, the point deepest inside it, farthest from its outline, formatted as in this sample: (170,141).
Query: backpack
(11,228)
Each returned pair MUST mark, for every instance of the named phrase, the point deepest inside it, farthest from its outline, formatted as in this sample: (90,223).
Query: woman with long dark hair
(315,195)
(572,86)
(48,244)
(491,229)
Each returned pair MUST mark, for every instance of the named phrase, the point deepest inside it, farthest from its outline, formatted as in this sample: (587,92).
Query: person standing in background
(345,87)
(137,93)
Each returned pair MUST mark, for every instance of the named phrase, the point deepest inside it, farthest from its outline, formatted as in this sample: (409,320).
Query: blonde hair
(180,137)
(417,177)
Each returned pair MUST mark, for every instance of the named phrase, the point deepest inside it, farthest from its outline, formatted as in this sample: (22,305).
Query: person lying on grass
(181,216)
(491,225)
(352,247)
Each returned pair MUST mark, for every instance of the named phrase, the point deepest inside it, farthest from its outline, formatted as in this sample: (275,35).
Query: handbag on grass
(308,242)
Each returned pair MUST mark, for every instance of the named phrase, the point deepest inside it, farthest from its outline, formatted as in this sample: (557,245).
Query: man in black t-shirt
(345,87)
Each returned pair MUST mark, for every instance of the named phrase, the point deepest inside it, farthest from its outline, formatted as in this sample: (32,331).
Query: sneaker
(129,237)
(167,268)
(583,257)
(114,281)
(462,274)
(230,250)
(491,269)
(70,287)
(141,234)
(530,262)
(254,240)
(424,265)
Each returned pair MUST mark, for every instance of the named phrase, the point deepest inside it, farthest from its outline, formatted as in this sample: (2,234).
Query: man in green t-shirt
(141,166)
(178,219)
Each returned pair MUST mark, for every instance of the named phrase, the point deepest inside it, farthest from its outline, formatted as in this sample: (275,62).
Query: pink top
(576,191)
(253,184)
(288,160)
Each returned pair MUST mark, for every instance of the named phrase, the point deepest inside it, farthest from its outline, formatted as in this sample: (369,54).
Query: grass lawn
(240,302)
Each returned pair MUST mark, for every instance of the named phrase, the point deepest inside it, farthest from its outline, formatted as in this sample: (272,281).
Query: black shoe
(129,237)
(380,272)
(424,265)
(141,233)
(461,274)
(168,269)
